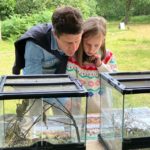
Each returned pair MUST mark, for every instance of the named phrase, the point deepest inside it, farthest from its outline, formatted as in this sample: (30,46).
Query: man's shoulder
(36,33)
(45,27)
(39,29)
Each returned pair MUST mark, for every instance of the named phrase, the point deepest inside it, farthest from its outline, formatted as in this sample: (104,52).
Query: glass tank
(125,110)
(42,112)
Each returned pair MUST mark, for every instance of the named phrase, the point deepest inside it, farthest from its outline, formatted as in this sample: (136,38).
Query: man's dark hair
(67,20)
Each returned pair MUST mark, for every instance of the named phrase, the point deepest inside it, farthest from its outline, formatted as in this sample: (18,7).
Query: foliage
(141,7)
(128,12)
(29,6)
(17,25)
(117,9)
(110,9)
(87,10)
(145,19)
(6,8)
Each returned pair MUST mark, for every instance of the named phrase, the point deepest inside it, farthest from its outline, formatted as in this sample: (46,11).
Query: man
(44,49)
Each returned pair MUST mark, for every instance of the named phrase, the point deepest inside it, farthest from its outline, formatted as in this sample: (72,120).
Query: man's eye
(69,43)
(88,45)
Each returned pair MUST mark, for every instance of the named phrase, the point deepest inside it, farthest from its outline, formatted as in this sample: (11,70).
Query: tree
(29,6)
(128,6)
(87,10)
(6,8)
(110,9)
(0,31)
(141,7)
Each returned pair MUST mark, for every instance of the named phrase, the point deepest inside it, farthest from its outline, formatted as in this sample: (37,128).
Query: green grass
(9,106)
(131,48)
(7,54)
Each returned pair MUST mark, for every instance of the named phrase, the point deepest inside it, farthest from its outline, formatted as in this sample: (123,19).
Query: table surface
(93,145)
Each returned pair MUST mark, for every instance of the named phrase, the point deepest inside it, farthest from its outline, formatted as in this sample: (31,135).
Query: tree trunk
(128,4)
(0,31)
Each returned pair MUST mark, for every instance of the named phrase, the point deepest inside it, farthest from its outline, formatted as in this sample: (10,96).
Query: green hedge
(15,26)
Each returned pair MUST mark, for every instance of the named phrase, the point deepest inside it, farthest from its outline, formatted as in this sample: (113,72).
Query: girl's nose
(91,50)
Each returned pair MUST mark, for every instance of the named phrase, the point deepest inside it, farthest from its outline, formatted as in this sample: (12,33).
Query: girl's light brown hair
(91,27)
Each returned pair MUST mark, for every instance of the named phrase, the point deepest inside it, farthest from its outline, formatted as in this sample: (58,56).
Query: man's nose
(74,46)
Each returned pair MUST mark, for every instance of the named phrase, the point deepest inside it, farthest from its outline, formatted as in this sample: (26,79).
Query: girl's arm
(108,64)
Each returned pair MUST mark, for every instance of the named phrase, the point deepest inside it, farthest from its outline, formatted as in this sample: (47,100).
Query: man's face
(69,43)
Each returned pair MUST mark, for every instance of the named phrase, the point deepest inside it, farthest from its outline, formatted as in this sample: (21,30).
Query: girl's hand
(96,59)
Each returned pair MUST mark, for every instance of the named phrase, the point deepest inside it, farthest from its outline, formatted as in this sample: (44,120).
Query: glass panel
(93,125)
(132,76)
(93,117)
(2,123)
(18,123)
(38,80)
(78,119)
(128,116)
(63,120)
(45,88)
(137,116)
(23,122)
(136,84)
(111,116)
(57,121)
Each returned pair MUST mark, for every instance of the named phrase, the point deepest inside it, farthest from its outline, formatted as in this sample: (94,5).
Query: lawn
(7,54)
(131,48)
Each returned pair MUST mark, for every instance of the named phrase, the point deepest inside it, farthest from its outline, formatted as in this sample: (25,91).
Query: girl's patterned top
(89,73)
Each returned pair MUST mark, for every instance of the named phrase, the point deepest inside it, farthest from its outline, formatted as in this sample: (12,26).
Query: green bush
(116,9)
(145,19)
(111,9)
(141,7)
(6,8)
(87,10)
(29,6)
(15,26)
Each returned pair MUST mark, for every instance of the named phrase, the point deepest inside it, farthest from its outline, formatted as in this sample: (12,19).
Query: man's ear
(55,34)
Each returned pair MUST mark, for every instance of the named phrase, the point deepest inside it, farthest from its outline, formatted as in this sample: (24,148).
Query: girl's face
(92,44)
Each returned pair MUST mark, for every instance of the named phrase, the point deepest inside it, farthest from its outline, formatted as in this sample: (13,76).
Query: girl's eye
(88,45)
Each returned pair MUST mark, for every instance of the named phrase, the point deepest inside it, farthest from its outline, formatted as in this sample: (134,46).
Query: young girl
(91,59)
